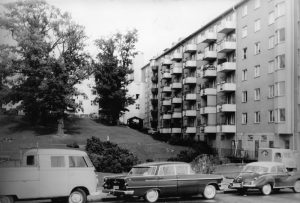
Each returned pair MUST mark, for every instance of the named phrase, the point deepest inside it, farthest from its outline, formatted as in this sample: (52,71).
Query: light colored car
(50,174)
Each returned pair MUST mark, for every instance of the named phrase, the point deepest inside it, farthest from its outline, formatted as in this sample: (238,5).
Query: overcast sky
(159,22)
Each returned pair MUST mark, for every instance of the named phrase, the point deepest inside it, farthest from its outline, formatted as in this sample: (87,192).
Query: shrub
(109,157)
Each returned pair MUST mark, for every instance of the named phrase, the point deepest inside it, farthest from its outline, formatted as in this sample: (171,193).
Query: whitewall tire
(209,192)
(78,196)
(152,195)
(266,189)
(296,187)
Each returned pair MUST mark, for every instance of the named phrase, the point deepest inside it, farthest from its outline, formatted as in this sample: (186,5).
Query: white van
(50,174)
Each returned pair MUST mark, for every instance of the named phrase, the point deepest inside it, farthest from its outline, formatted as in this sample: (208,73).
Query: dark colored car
(162,179)
(267,177)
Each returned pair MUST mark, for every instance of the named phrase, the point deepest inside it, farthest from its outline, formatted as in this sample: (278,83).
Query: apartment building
(233,83)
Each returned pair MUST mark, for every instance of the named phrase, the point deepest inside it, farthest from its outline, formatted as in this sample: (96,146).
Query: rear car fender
(264,180)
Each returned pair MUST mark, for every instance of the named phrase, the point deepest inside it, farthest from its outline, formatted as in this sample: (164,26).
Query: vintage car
(162,179)
(267,177)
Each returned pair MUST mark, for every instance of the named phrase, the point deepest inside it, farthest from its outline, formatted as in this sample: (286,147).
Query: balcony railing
(167,102)
(226,67)
(208,109)
(167,116)
(177,100)
(210,55)
(190,130)
(190,64)
(167,75)
(166,61)
(226,128)
(190,80)
(166,89)
(226,87)
(165,130)
(190,48)
(209,73)
(226,108)
(176,85)
(190,113)
(177,115)
(227,46)
(176,130)
(227,26)
(208,37)
(208,129)
(191,96)
(176,70)
(208,91)
(176,57)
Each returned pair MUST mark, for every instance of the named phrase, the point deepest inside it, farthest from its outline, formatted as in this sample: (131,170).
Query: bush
(205,163)
(109,157)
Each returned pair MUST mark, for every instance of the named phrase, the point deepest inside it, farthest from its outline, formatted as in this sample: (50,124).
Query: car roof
(159,163)
(53,151)
(265,163)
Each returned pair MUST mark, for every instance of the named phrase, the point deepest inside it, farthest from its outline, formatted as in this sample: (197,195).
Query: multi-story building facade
(233,83)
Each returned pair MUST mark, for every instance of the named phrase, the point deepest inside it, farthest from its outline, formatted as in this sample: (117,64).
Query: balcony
(210,55)
(177,100)
(154,79)
(227,26)
(154,90)
(190,96)
(154,101)
(154,113)
(191,130)
(190,48)
(190,113)
(166,75)
(208,109)
(226,128)
(166,116)
(209,73)
(176,85)
(227,46)
(176,130)
(176,70)
(176,57)
(208,37)
(166,62)
(165,130)
(176,115)
(209,129)
(166,102)
(208,91)
(226,67)
(154,68)
(226,108)
(190,64)
(190,80)
(226,87)
(166,89)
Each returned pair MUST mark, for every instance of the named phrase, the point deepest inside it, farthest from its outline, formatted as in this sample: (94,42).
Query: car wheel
(77,196)
(152,195)
(209,192)
(7,199)
(296,187)
(266,189)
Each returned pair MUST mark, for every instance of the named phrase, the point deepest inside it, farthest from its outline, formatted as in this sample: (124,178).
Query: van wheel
(296,187)
(209,192)
(77,196)
(152,195)
(266,189)
(7,199)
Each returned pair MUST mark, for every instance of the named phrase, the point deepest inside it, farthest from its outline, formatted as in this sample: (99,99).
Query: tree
(50,58)
(111,70)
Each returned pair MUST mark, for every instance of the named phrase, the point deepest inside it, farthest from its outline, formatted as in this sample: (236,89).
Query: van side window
(273,169)
(77,161)
(30,160)
(57,161)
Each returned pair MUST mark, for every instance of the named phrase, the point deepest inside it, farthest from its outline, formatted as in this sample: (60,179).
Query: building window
(257,25)
(256,4)
(257,117)
(137,106)
(280,113)
(257,94)
(256,71)
(245,11)
(271,42)
(280,35)
(271,18)
(244,96)
(271,116)
(271,66)
(245,53)
(279,89)
(257,48)
(244,32)
(280,9)
(244,75)
(271,144)
(271,91)
(280,61)
(244,118)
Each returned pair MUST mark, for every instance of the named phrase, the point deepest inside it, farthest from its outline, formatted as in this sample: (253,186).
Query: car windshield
(255,169)
(142,171)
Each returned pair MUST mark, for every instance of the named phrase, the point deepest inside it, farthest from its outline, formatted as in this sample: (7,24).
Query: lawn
(16,134)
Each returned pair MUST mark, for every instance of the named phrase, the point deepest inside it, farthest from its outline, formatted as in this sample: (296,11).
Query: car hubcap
(297,186)
(266,189)
(76,198)
(152,195)
(209,191)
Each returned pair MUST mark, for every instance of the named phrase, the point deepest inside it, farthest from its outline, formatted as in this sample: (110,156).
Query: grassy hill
(16,134)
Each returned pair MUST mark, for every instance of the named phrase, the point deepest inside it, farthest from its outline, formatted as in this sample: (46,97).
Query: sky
(159,22)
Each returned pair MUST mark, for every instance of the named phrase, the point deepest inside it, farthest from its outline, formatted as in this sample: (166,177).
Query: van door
(53,176)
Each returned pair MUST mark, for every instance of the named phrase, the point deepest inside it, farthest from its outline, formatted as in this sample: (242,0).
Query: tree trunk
(60,127)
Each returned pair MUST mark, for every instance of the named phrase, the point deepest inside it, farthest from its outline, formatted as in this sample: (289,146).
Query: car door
(282,177)
(187,184)
(167,180)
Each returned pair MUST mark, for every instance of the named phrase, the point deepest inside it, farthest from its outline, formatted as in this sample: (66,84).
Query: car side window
(273,169)
(57,161)
(182,169)
(281,169)
(166,170)
(77,162)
